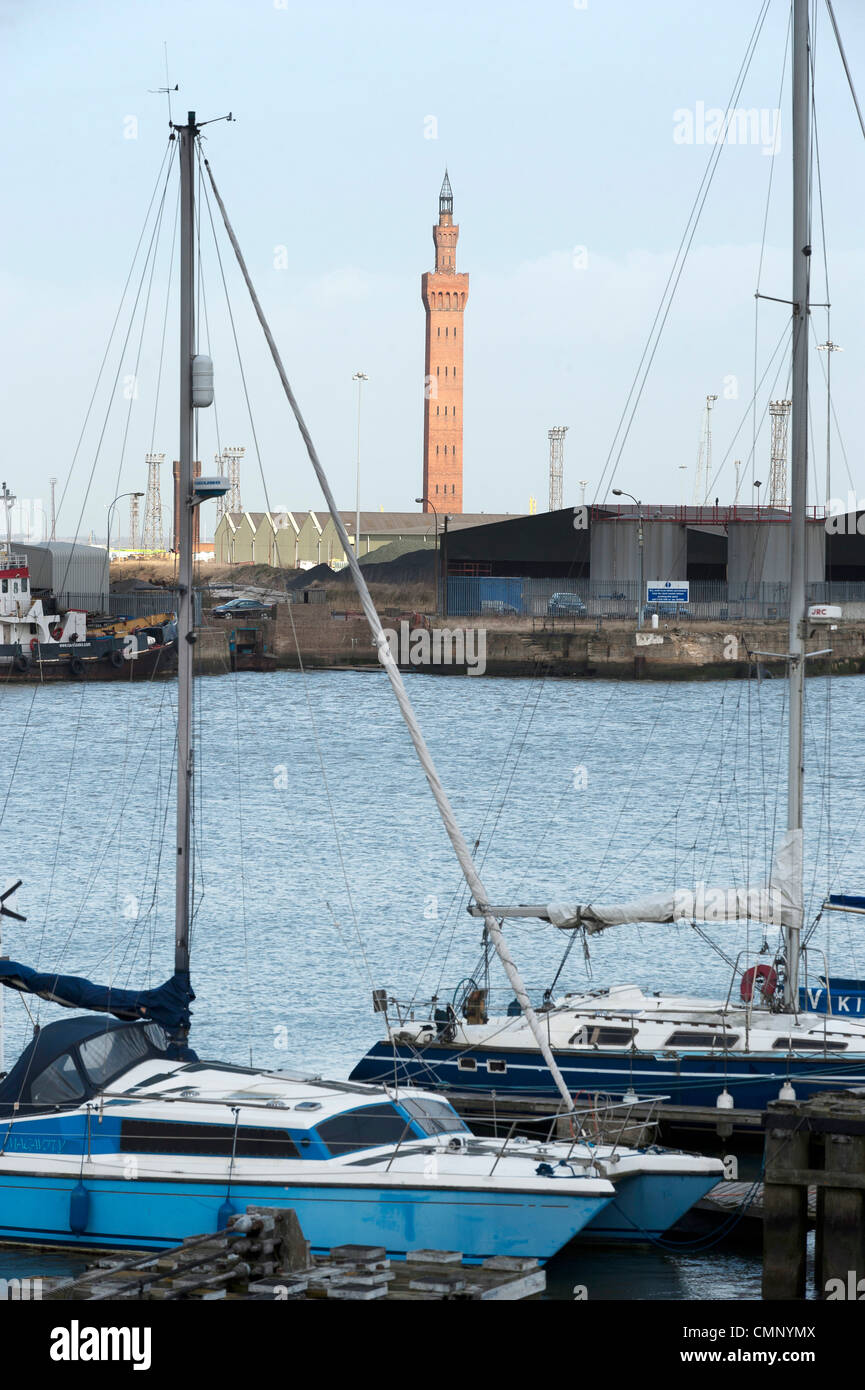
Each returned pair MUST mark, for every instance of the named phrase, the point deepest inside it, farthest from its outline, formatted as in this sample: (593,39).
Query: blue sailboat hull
(144,1214)
(694,1079)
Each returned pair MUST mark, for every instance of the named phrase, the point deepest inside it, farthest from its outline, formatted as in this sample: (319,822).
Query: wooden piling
(785,1209)
(842,1244)
(831,1128)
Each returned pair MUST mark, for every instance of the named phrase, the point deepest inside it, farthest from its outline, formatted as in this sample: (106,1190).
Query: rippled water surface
(323,871)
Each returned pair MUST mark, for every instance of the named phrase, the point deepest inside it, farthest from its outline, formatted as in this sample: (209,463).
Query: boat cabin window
(58,1084)
(175,1137)
(5,586)
(363,1129)
(685,1038)
(466,1064)
(108,1054)
(434,1116)
(602,1037)
(808,1045)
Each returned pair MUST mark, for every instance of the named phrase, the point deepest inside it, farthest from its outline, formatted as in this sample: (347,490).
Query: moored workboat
(40,646)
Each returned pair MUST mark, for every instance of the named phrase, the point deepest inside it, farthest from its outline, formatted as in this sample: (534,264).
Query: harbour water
(323,871)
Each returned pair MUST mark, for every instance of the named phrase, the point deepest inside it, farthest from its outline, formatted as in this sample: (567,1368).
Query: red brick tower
(444,294)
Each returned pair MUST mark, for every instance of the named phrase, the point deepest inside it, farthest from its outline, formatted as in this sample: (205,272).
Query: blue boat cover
(846,900)
(168,1004)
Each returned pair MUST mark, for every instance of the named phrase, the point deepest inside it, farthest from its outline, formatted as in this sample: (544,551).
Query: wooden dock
(262,1256)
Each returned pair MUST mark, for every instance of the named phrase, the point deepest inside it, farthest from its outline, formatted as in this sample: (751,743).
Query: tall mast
(185,617)
(799,467)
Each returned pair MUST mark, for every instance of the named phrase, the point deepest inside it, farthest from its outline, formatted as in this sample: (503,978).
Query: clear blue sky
(557,126)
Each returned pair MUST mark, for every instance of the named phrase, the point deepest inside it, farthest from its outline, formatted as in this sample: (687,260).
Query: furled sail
(167,1004)
(777,903)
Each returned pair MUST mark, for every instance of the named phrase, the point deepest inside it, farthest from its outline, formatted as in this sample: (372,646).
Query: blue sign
(667,591)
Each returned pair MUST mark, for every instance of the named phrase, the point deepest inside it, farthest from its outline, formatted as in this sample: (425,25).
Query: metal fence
(709,599)
(139,603)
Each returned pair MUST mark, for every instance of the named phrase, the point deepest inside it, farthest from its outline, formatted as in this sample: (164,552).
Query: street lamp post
(111,506)
(617,492)
(360,378)
(425,501)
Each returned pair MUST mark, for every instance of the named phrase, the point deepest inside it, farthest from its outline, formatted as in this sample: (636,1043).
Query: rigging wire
(757,296)
(675,274)
(310,708)
(106,417)
(847,71)
(168,150)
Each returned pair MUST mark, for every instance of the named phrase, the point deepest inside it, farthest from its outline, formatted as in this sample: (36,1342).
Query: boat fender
(76,666)
(21,662)
(225,1213)
(753,977)
(117,660)
(725,1100)
(79,1209)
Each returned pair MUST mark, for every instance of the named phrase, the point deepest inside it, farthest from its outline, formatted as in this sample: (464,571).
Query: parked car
(497,605)
(566,606)
(243,608)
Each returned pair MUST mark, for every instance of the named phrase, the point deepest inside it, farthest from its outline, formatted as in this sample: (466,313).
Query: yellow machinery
(124,625)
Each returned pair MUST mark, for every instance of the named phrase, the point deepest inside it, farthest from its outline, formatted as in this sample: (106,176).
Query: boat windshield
(106,1055)
(434,1116)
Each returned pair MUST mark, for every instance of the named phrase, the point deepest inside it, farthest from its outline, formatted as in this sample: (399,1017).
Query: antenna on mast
(167,89)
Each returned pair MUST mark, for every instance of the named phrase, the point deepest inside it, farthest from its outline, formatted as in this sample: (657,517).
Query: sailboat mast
(799,467)
(185,616)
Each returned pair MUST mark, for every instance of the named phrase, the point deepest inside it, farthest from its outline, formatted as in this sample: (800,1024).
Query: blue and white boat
(114,1134)
(776,1033)
(107,1140)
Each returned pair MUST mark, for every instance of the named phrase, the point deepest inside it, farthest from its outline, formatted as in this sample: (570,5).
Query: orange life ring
(56,631)
(751,977)
(34,643)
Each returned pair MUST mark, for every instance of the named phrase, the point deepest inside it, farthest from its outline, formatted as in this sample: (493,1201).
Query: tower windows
(446,451)
(446,371)
(446,332)
(437,410)
(438,332)
(437,454)
(455,331)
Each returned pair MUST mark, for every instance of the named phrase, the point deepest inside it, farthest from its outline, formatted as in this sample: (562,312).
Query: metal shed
(76,574)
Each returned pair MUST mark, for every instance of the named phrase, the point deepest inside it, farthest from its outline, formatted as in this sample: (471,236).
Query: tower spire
(446,197)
